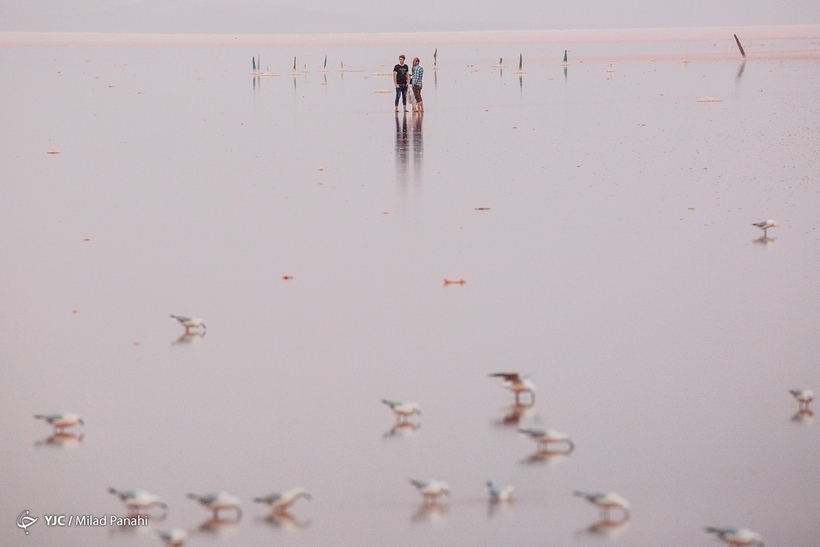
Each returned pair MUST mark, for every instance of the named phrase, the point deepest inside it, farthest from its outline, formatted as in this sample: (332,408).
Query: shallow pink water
(616,263)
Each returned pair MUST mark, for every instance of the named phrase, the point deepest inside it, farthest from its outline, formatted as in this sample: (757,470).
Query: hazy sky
(323,16)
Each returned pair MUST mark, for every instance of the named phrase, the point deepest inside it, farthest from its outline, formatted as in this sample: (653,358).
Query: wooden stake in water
(325,65)
(520,61)
(740,47)
(435,54)
(294,64)
(565,56)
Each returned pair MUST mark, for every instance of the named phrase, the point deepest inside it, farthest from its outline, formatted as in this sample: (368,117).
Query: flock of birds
(139,501)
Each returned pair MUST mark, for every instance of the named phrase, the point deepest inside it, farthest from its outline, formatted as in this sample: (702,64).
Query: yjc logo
(24,521)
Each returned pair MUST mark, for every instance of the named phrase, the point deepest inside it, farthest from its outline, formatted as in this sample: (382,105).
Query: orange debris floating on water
(86,239)
(460,281)
(53,151)
(482,208)
(286,277)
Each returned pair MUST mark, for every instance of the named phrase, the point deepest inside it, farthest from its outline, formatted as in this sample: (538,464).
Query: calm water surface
(616,264)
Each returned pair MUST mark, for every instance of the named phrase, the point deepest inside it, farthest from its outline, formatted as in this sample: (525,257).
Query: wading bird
(173,538)
(737,537)
(61,421)
(765,225)
(498,495)
(545,436)
(190,322)
(517,384)
(139,500)
(431,490)
(803,396)
(218,501)
(403,410)
(606,501)
(279,502)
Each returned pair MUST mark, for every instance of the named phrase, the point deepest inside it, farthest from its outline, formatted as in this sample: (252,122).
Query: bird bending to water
(61,421)
(403,410)
(218,501)
(765,225)
(431,490)
(803,396)
(139,500)
(545,436)
(737,537)
(190,322)
(517,384)
(499,494)
(279,502)
(173,538)
(606,501)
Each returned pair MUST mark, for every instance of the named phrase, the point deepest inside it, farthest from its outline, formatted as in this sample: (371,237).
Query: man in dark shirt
(400,77)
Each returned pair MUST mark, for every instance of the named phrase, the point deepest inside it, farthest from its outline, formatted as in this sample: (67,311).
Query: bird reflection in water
(217,526)
(188,338)
(124,530)
(547,457)
(514,414)
(803,416)
(765,241)
(61,440)
(605,528)
(495,508)
(402,429)
(430,512)
(282,520)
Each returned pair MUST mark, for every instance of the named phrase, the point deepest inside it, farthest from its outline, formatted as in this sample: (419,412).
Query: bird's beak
(81,421)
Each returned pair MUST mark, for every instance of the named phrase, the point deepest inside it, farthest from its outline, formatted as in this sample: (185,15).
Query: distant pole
(740,47)
(520,61)
(435,55)
(565,56)
(294,64)
(253,59)
(325,65)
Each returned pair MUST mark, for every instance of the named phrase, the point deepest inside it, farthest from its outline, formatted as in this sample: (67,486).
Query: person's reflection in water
(418,146)
(402,147)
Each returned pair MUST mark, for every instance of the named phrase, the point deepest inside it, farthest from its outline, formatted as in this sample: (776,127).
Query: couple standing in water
(404,77)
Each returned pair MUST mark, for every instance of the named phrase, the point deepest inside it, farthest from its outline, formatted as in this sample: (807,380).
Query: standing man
(417,75)
(400,76)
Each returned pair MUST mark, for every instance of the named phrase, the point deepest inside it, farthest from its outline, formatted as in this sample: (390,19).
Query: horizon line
(658,34)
